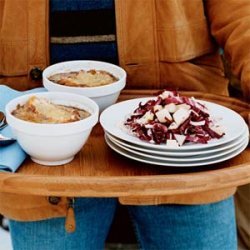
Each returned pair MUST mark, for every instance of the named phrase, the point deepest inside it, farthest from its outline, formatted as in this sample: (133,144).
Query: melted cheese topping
(82,78)
(40,110)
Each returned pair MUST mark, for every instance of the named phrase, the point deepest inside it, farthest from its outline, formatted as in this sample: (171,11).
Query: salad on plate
(173,120)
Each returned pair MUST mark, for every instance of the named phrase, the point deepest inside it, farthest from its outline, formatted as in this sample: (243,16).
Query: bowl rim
(97,91)
(56,129)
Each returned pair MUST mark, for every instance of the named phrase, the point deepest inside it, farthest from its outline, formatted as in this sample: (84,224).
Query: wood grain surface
(97,171)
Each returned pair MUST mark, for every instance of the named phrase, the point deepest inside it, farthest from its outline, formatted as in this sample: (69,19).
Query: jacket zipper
(70,222)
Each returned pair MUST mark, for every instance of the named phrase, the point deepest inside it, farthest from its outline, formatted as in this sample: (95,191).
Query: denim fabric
(93,220)
(189,227)
(164,227)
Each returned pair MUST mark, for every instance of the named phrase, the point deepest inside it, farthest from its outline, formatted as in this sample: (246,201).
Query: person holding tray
(161,44)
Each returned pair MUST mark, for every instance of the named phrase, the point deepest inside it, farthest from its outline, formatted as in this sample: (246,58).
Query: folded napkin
(11,156)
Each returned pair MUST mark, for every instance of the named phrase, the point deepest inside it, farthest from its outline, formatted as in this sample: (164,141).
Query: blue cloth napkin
(11,156)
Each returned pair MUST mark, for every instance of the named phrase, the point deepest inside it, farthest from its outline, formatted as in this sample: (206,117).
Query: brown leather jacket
(161,43)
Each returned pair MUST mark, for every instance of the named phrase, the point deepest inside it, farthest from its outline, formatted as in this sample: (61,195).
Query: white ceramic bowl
(53,144)
(104,96)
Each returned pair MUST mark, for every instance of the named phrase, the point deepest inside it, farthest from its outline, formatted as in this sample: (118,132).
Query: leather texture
(24,41)
(161,43)
(229,24)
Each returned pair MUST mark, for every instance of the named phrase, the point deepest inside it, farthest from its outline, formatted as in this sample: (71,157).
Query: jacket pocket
(13,58)
(181,43)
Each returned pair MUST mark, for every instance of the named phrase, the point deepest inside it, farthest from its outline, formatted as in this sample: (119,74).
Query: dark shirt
(82,30)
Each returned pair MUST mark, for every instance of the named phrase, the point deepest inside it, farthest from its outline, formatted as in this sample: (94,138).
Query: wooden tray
(97,171)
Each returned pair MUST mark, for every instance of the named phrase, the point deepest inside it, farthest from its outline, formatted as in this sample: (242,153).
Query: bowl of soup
(52,127)
(100,81)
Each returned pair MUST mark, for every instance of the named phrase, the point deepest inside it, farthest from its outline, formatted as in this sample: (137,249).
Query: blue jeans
(179,227)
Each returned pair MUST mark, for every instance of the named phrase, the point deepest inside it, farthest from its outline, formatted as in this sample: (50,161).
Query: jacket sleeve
(230,26)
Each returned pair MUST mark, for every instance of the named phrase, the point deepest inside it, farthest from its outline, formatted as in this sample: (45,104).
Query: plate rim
(188,158)
(172,164)
(129,138)
(182,153)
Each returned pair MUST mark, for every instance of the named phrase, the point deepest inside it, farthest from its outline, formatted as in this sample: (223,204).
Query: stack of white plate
(118,138)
